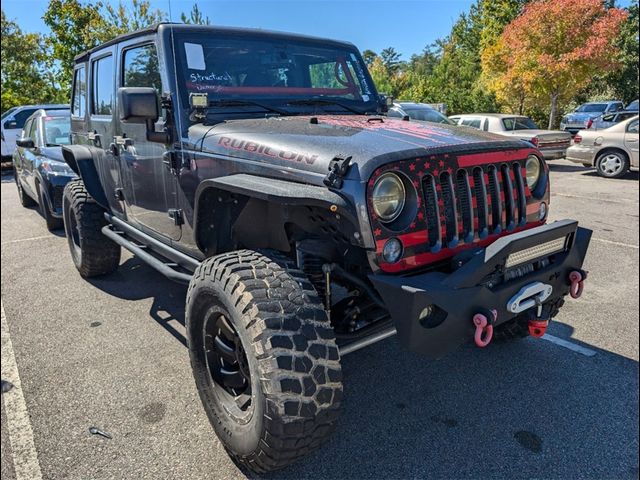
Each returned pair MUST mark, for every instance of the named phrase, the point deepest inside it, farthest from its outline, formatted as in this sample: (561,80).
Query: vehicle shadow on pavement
(134,280)
(523,409)
(589,172)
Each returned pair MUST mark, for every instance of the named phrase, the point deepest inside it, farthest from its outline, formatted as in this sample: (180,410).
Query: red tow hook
(577,279)
(537,328)
(484,327)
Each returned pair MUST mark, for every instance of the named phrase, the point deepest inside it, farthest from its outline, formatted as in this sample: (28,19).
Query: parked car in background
(39,169)
(632,107)
(552,143)
(610,119)
(612,151)
(417,111)
(578,120)
(12,122)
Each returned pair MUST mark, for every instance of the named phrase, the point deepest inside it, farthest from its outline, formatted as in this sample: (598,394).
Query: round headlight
(388,197)
(534,171)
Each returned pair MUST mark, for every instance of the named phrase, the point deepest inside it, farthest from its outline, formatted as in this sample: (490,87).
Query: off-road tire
(52,222)
(518,328)
(25,200)
(93,254)
(290,349)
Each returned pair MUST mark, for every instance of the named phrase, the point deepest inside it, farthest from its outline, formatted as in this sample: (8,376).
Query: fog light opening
(431,316)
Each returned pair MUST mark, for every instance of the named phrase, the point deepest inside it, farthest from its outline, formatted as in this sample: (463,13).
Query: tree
(390,59)
(77,27)
(195,17)
(553,50)
(26,73)
(369,56)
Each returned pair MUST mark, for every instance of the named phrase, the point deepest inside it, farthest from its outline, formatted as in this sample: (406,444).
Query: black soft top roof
(208,29)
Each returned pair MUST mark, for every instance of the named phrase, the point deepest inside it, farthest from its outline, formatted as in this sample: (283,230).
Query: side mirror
(25,142)
(140,105)
(386,102)
(10,125)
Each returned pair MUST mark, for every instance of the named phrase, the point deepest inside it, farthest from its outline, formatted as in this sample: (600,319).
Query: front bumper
(553,153)
(53,192)
(473,288)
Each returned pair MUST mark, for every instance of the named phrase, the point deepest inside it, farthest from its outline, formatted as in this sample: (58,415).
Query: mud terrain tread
(295,346)
(100,255)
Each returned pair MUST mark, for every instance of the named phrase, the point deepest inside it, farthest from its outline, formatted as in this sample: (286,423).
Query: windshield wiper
(324,101)
(246,103)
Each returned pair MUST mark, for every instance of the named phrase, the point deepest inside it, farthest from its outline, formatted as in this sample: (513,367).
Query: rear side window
(141,68)
(79,97)
(102,98)
(471,122)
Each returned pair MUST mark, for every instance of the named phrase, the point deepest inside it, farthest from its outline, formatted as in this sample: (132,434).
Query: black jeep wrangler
(259,168)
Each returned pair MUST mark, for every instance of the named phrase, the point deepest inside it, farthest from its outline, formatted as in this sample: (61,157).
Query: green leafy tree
(78,26)
(390,59)
(27,70)
(195,17)
(369,56)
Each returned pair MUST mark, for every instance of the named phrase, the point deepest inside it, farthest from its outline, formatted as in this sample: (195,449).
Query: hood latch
(338,168)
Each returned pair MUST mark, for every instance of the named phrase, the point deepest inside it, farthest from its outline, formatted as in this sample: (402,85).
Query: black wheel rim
(227,364)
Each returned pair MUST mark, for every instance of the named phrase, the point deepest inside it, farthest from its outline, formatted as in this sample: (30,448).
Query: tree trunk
(554,110)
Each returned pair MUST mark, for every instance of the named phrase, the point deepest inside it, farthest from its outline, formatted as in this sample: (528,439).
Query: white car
(12,122)
(612,151)
(552,143)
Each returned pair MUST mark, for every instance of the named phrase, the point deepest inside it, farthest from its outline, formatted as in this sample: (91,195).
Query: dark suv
(258,167)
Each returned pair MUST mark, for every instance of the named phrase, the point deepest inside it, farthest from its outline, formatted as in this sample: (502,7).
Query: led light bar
(539,251)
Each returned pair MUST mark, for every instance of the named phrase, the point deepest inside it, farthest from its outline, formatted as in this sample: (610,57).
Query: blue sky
(407,25)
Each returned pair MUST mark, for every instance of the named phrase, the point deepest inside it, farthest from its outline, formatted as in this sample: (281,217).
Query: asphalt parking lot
(110,353)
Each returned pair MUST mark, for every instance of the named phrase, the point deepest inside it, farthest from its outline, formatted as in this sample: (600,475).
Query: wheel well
(609,150)
(226,221)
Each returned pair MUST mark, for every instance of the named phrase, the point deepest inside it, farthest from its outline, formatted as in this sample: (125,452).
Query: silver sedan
(612,151)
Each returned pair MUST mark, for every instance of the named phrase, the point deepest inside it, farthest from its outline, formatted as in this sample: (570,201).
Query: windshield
(428,115)
(56,131)
(519,123)
(592,107)
(273,71)
(632,106)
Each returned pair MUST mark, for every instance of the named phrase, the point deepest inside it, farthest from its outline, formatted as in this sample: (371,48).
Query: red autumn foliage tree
(553,49)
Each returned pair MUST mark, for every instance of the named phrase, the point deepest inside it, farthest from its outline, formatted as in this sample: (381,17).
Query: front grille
(473,203)
(56,196)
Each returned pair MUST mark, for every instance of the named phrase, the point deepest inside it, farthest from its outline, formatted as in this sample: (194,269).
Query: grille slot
(471,204)
(521,194)
(432,212)
(507,188)
(450,210)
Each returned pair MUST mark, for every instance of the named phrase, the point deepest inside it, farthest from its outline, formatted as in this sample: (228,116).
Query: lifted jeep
(259,169)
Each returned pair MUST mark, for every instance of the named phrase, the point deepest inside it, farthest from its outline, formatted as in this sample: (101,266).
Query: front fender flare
(81,159)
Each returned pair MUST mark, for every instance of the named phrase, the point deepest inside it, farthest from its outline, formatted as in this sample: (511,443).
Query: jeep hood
(310,143)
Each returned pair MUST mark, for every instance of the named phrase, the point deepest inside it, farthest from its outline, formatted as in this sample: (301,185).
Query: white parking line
(25,457)
(619,244)
(30,239)
(571,346)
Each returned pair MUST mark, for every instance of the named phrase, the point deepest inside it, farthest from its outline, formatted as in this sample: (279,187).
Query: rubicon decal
(266,150)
